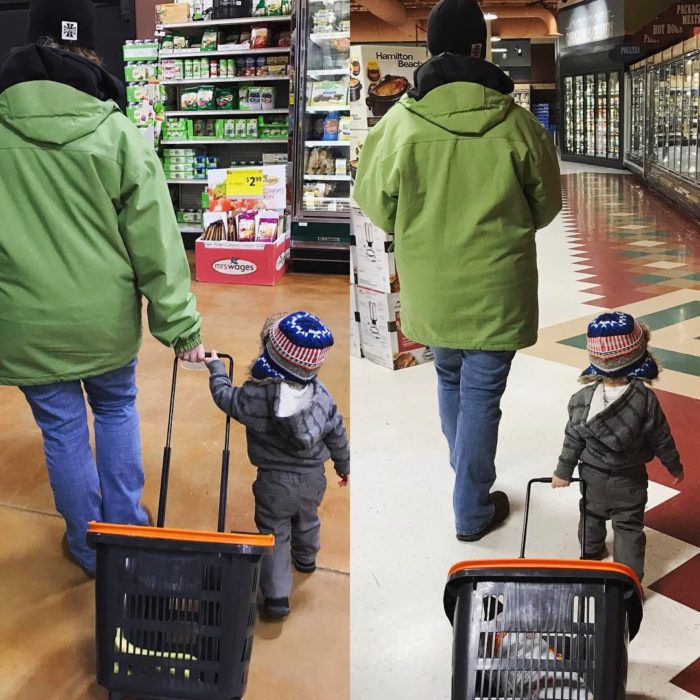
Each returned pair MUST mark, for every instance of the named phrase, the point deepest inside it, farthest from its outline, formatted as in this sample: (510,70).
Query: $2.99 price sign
(245,183)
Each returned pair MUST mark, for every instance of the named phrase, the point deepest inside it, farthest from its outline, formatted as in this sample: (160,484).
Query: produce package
(205,97)
(189,98)
(267,98)
(210,41)
(268,227)
(260,37)
(224,97)
(247,225)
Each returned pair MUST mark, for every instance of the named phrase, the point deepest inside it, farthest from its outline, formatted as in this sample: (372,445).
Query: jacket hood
(619,424)
(460,94)
(301,428)
(54,97)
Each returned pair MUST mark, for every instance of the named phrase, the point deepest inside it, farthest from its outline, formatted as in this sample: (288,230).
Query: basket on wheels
(541,628)
(176,609)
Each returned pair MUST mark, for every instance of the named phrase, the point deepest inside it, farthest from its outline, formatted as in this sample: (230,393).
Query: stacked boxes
(186,129)
(187,164)
(143,88)
(377,302)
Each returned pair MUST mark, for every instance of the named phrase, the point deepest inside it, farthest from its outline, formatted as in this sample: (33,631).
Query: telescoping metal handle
(548,480)
(225,456)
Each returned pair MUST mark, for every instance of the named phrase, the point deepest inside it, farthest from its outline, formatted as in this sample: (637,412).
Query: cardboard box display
(380,332)
(376,266)
(374,65)
(252,263)
(355,342)
(172,13)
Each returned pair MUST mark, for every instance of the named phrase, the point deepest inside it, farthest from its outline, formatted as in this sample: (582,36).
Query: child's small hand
(213,357)
(344,480)
(558,483)
(677,480)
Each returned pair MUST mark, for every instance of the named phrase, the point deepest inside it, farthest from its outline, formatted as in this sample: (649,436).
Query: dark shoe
(71,557)
(597,556)
(502,510)
(305,568)
(275,608)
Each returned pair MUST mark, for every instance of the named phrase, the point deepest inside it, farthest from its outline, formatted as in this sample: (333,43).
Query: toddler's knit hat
(617,347)
(71,22)
(457,26)
(295,347)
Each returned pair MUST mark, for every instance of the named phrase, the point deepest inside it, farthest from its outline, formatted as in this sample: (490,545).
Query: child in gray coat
(293,428)
(616,426)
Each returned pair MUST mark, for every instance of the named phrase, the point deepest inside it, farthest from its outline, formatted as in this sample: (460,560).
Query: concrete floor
(47,605)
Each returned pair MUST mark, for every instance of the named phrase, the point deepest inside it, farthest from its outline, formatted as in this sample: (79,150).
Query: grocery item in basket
(189,99)
(260,37)
(210,41)
(268,225)
(330,126)
(267,98)
(205,97)
(224,97)
(247,224)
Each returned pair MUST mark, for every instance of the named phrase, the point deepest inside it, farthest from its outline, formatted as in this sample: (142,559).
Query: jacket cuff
(564,471)
(187,344)
(216,368)
(342,468)
(675,469)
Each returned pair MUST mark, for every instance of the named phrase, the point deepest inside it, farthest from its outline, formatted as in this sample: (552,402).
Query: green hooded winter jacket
(86,228)
(463,178)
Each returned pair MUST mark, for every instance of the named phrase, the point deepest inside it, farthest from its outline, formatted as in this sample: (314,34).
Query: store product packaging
(380,332)
(237,262)
(355,343)
(171,13)
(376,266)
(380,77)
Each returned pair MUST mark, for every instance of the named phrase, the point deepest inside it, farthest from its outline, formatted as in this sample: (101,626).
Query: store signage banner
(679,22)
(597,21)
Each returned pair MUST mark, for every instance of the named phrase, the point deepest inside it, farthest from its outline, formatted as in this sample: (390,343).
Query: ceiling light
(489,17)
(499,50)
(494,39)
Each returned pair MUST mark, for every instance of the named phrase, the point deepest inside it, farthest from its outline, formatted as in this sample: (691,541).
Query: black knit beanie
(70,22)
(457,26)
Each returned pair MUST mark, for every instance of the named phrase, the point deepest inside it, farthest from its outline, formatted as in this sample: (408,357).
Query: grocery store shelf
(222,23)
(328,144)
(328,36)
(191,228)
(330,108)
(187,181)
(250,79)
(224,112)
(327,178)
(320,74)
(198,53)
(205,141)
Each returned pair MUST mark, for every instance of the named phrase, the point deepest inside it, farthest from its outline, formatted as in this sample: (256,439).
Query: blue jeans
(470,386)
(83,491)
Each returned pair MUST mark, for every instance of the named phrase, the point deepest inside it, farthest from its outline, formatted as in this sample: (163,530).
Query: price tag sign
(245,183)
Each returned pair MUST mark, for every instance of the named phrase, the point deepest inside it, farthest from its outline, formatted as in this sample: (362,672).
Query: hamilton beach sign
(234,266)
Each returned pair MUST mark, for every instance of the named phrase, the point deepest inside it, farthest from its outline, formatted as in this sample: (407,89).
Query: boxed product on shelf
(355,342)
(271,8)
(329,93)
(380,332)
(171,13)
(379,77)
(374,250)
(140,50)
(141,72)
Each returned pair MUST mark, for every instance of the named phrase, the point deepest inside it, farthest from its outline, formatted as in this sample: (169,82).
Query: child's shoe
(305,567)
(275,608)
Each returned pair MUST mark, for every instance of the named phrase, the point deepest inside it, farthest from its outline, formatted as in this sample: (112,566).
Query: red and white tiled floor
(616,245)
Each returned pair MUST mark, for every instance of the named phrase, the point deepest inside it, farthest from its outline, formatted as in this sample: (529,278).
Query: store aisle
(46,604)
(610,246)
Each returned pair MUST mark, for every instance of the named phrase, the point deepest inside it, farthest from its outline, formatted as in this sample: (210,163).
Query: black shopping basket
(176,609)
(541,628)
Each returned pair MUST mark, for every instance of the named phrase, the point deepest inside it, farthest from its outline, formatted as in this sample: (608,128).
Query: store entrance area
(47,620)
(615,245)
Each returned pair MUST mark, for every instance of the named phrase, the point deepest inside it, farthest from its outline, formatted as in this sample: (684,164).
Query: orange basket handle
(584,506)
(167,451)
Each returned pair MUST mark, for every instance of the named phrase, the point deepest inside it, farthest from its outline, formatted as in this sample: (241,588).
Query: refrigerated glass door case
(675,103)
(637,117)
(322,122)
(590,116)
(569,114)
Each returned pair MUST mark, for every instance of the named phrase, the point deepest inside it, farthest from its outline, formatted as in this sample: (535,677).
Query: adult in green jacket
(87,230)
(463,178)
